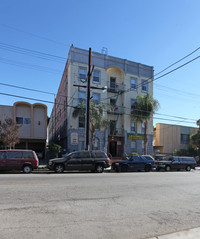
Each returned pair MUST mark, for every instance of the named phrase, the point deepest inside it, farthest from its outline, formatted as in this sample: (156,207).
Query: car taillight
(37,162)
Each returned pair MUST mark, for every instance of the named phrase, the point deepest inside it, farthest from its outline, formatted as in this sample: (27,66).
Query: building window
(133,127)
(112,127)
(112,82)
(82,73)
(133,83)
(185,138)
(21,120)
(132,104)
(113,102)
(96,77)
(143,128)
(81,121)
(96,98)
(81,96)
(144,85)
(27,120)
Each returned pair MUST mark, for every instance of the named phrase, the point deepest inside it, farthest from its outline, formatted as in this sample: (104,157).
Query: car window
(14,154)
(99,155)
(2,155)
(28,154)
(76,155)
(135,158)
(176,159)
(85,154)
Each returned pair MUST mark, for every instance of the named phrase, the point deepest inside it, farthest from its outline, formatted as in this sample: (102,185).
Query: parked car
(25,160)
(95,161)
(134,163)
(177,163)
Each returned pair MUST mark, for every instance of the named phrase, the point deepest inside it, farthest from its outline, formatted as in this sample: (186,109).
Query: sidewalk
(186,234)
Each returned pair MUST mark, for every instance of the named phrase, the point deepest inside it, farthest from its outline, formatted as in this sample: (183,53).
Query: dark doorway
(113,148)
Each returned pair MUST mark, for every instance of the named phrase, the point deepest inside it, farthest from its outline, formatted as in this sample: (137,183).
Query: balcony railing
(116,132)
(116,110)
(115,87)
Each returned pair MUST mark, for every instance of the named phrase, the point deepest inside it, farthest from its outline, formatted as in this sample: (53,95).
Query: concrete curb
(186,234)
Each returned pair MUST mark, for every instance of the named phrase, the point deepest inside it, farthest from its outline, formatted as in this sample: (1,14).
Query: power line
(34,35)
(29,66)
(33,53)
(177,61)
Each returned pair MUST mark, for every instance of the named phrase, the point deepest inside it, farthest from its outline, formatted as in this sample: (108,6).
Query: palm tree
(142,110)
(97,119)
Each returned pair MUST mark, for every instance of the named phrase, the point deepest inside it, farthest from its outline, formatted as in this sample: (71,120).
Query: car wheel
(27,169)
(59,168)
(147,168)
(99,168)
(167,168)
(124,168)
(188,168)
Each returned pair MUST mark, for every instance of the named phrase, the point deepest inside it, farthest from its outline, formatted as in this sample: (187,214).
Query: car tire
(124,168)
(188,168)
(99,168)
(147,168)
(167,168)
(59,168)
(27,169)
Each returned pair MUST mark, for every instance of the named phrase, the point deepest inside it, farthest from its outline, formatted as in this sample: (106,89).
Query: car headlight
(116,164)
(50,163)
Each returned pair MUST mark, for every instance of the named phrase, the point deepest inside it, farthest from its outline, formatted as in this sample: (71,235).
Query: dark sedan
(134,163)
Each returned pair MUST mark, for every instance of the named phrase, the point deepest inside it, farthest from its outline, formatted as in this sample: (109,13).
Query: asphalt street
(88,205)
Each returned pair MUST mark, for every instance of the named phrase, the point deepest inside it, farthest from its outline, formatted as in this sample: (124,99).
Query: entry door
(113,148)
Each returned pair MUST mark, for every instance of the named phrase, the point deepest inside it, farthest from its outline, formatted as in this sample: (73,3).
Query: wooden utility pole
(87,120)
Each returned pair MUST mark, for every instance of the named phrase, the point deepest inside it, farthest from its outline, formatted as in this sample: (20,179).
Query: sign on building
(135,136)
(74,138)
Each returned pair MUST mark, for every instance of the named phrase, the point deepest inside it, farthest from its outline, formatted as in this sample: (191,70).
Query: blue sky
(152,32)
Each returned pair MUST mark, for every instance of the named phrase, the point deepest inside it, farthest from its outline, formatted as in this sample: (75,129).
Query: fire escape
(116,89)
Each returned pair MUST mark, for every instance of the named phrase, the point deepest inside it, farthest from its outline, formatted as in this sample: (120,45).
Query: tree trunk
(145,137)
(92,136)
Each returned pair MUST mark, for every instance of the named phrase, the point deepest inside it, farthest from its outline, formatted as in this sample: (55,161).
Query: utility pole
(87,120)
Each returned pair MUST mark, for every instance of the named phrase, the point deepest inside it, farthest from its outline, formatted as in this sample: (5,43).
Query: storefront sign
(135,136)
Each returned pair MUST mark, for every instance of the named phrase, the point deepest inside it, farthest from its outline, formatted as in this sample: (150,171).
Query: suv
(134,163)
(25,160)
(94,161)
(177,163)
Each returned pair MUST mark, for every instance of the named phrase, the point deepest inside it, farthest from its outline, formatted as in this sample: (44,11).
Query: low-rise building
(168,138)
(33,121)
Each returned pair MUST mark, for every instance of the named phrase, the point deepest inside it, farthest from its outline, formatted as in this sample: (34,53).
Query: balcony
(115,87)
(116,110)
(119,132)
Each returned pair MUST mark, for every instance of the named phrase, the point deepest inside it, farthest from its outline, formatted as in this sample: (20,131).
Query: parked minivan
(177,163)
(18,159)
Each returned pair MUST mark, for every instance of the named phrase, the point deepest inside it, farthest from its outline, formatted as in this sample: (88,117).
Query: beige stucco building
(171,138)
(124,80)
(33,121)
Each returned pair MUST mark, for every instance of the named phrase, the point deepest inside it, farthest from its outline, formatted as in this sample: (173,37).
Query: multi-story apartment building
(171,138)
(124,80)
(33,121)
